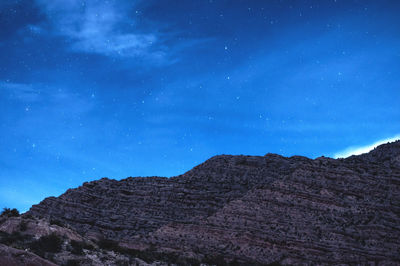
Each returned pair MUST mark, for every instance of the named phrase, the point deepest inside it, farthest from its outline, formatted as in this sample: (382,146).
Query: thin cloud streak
(363,149)
(100,28)
(20,91)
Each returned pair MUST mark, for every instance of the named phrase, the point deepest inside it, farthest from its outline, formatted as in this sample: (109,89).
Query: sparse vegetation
(108,244)
(7,212)
(23,226)
(50,243)
(149,255)
(14,238)
(27,216)
(77,247)
(122,263)
(72,262)
(56,222)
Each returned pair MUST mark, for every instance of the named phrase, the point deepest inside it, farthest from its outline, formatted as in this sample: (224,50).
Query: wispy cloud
(363,149)
(20,91)
(101,27)
(58,98)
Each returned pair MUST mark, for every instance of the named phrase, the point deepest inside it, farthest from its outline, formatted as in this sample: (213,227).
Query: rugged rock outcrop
(248,210)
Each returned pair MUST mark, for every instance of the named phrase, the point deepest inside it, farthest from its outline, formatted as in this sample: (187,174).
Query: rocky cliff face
(248,210)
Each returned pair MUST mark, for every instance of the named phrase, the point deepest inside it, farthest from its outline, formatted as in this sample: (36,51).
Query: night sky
(122,88)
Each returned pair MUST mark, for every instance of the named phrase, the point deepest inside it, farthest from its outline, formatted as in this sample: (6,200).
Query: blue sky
(139,88)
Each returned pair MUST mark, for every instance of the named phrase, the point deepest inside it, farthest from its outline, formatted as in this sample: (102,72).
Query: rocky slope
(244,210)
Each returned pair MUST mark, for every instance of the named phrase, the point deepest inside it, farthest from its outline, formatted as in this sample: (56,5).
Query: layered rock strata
(249,209)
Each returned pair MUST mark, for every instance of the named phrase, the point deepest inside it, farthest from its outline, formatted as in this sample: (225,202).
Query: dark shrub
(56,222)
(122,263)
(9,239)
(27,216)
(108,244)
(16,239)
(7,212)
(76,247)
(88,246)
(186,261)
(275,263)
(234,263)
(23,226)
(72,262)
(51,243)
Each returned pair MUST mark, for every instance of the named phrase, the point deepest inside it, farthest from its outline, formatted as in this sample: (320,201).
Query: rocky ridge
(244,210)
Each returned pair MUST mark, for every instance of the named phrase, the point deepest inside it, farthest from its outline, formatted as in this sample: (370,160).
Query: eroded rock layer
(250,209)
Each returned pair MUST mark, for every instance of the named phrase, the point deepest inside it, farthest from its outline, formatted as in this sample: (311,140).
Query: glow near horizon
(357,150)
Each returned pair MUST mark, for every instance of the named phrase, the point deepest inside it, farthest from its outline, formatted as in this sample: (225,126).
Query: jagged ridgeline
(237,210)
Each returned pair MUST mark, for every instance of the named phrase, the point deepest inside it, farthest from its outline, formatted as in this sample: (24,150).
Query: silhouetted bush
(72,262)
(50,243)
(7,212)
(27,216)
(77,247)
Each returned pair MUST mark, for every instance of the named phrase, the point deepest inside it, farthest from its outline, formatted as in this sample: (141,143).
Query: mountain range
(229,210)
